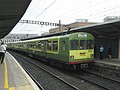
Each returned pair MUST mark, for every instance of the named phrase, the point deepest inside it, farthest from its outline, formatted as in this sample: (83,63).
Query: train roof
(57,35)
(52,37)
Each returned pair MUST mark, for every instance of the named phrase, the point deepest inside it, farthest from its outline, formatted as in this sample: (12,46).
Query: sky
(67,11)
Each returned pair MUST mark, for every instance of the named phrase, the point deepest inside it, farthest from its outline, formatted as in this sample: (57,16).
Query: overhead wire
(106,10)
(83,10)
(101,11)
(42,11)
(34,7)
(74,10)
(63,14)
(45,9)
(30,13)
(104,15)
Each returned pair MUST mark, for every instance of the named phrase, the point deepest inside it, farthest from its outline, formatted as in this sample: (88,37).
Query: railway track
(103,76)
(99,80)
(106,71)
(86,80)
(53,82)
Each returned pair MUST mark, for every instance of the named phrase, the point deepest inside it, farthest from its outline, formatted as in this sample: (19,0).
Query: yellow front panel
(81,54)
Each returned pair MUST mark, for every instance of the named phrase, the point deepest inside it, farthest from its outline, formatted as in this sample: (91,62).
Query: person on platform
(101,52)
(109,51)
(2,52)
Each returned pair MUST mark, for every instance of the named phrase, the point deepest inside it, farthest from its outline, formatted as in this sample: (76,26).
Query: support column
(59,25)
(119,49)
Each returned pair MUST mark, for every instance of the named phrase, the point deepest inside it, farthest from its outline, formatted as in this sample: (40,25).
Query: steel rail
(69,84)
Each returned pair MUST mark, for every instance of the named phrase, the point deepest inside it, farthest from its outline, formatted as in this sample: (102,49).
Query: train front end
(81,49)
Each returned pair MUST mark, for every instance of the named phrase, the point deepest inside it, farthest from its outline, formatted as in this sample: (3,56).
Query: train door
(64,53)
(44,54)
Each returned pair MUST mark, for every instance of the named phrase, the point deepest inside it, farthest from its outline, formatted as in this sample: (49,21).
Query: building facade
(70,26)
(111,18)
(16,37)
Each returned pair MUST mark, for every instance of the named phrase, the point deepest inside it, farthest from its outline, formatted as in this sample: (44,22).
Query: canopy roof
(11,12)
(109,30)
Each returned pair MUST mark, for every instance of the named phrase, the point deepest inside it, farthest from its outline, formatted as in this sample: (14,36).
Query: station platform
(110,63)
(13,76)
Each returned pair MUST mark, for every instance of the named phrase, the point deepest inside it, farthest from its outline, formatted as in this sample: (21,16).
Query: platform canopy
(108,30)
(104,30)
(11,12)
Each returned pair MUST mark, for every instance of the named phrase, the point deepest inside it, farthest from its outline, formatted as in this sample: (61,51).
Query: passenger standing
(109,51)
(2,52)
(101,52)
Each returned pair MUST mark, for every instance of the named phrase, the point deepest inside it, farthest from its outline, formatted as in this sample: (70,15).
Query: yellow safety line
(6,75)
(12,88)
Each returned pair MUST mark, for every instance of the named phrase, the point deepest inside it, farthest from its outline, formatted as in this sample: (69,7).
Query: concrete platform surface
(14,77)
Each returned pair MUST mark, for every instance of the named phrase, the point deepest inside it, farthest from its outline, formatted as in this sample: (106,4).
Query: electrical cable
(100,11)
(83,10)
(34,7)
(45,9)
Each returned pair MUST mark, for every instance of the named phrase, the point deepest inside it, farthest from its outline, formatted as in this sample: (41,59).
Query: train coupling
(85,65)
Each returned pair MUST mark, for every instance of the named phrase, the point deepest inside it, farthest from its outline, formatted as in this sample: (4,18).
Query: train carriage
(71,49)
(77,48)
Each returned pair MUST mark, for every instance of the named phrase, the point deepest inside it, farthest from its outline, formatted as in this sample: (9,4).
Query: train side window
(55,45)
(49,44)
(39,45)
(34,44)
(20,45)
(24,45)
(30,44)
(63,46)
(42,46)
(27,44)
(74,45)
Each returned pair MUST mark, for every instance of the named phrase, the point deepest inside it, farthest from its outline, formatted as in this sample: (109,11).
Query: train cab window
(90,44)
(63,45)
(49,45)
(74,45)
(83,44)
(55,45)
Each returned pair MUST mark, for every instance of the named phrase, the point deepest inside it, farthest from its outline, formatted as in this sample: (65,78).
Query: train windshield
(90,44)
(86,44)
(74,44)
(81,45)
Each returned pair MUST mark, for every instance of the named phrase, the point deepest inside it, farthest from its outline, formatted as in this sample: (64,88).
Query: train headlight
(72,57)
(92,55)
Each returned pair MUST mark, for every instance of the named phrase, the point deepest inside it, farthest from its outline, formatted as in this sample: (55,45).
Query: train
(72,50)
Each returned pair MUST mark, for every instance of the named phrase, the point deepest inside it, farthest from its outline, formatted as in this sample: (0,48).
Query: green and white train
(75,49)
